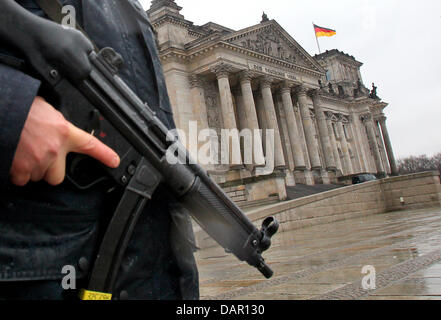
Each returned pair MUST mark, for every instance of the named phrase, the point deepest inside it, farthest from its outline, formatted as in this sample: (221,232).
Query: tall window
(335,130)
(346,132)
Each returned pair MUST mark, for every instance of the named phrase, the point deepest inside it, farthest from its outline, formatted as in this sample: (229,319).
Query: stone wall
(391,194)
(412,191)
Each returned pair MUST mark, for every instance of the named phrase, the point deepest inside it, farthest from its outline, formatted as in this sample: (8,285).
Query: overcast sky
(398,42)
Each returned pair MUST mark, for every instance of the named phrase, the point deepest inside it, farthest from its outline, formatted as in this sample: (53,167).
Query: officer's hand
(46,139)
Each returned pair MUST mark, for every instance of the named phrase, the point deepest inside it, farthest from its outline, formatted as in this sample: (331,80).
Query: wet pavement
(326,262)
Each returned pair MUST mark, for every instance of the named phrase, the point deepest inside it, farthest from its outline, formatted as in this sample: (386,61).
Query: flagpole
(316,38)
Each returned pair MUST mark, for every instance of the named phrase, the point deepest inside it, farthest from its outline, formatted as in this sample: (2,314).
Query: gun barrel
(231,230)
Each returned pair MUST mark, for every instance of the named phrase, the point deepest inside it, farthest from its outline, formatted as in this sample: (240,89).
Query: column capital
(382,118)
(301,90)
(265,82)
(341,117)
(366,117)
(286,87)
(246,76)
(329,115)
(222,70)
(195,81)
(316,95)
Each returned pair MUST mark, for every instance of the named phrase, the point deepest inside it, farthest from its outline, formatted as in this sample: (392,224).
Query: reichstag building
(326,122)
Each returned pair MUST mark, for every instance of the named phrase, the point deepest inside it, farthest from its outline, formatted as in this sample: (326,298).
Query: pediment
(271,39)
(334,118)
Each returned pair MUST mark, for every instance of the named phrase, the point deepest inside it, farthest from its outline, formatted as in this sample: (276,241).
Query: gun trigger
(94,122)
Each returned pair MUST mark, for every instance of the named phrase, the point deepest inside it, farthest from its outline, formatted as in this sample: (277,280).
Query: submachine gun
(98,100)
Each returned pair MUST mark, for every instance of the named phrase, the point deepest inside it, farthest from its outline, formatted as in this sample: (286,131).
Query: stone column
(381,146)
(369,123)
(293,130)
(323,131)
(251,117)
(344,146)
(308,127)
(286,144)
(388,145)
(358,141)
(222,72)
(198,98)
(271,123)
(333,140)
(199,110)
(353,143)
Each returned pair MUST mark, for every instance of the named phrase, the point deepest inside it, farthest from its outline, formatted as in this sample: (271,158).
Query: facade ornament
(366,117)
(222,70)
(267,42)
(320,83)
(342,118)
(316,94)
(266,82)
(380,118)
(302,90)
(373,94)
(286,86)
(328,115)
(331,89)
(246,76)
(358,90)
(195,81)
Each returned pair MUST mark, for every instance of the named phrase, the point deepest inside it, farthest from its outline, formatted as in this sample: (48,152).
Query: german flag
(324,32)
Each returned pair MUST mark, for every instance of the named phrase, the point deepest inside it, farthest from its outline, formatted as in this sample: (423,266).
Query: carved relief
(343,118)
(267,42)
(213,107)
(366,117)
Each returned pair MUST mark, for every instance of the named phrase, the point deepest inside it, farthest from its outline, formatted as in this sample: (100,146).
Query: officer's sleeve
(17,92)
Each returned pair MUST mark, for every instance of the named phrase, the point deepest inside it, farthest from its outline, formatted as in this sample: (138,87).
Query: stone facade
(326,123)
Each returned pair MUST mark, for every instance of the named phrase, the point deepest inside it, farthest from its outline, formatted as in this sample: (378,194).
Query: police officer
(46,222)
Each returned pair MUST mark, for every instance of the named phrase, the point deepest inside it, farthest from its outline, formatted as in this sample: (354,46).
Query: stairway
(302,190)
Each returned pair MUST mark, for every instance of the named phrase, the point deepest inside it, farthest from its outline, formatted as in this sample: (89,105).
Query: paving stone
(326,261)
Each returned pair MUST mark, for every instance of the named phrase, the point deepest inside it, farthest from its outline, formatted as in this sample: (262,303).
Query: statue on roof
(264,18)
(373,94)
(331,89)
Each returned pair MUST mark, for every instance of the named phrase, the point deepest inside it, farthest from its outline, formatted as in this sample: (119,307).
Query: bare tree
(421,163)
(437,161)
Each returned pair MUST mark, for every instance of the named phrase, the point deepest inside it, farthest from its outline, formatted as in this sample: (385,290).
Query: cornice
(185,55)
(168,18)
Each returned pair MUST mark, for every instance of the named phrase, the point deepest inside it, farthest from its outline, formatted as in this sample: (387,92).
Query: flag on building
(324,32)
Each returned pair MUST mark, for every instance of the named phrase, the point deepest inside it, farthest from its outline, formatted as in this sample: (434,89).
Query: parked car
(361,178)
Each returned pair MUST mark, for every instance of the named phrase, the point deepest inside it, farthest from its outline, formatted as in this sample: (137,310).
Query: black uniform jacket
(44,228)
